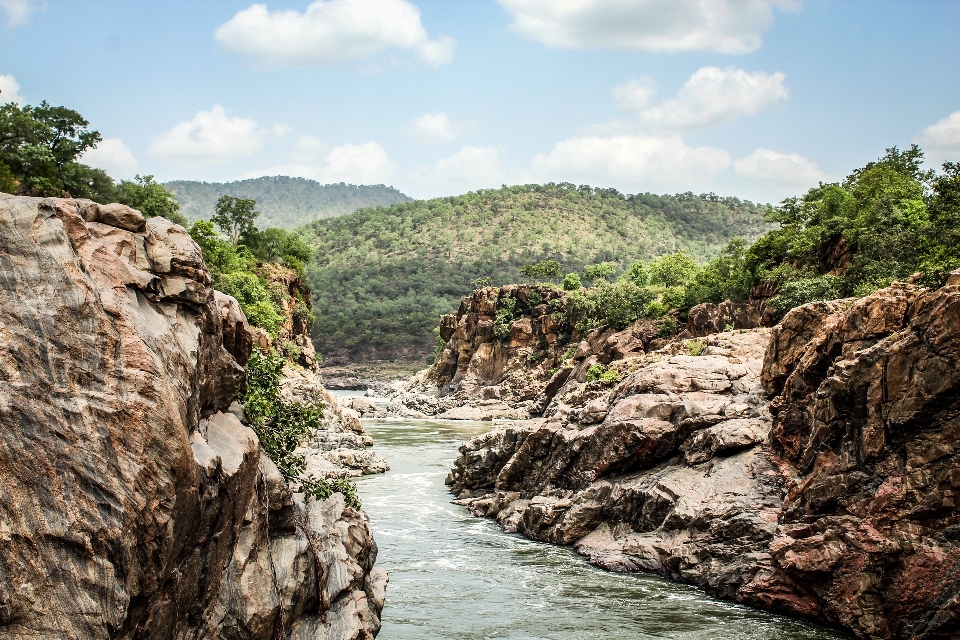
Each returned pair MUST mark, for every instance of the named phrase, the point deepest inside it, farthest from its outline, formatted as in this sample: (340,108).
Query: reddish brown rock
(708,318)
(133,504)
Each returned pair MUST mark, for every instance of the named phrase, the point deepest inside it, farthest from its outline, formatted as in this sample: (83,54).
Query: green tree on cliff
(235,216)
(41,146)
(151,198)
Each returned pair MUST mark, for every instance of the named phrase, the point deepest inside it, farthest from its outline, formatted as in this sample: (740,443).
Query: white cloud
(635,95)
(18,12)
(431,128)
(714,96)
(941,141)
(786,169)
(112,156)
(330,32)
(366,163)
(728,26)
(632,162)
(468,169)
(10,90)
(212,137)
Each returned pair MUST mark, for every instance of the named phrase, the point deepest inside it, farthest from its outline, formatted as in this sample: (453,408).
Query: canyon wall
(135,503)
(809,469)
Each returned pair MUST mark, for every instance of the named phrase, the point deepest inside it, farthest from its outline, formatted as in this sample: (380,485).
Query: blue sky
(754,98)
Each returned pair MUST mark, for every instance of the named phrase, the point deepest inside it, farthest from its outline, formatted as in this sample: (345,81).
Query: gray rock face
(663,472)
(134,504)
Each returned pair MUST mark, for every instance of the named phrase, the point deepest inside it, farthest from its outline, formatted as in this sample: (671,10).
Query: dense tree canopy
(382,276)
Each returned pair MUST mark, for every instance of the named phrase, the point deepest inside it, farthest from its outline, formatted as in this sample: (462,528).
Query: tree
(571,282)
(150,198)
(673,270)
(235,216)
(600,271)
(545,270)
(40,145)
(637,274)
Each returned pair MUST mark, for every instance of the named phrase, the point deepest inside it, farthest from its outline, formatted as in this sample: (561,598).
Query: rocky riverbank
(809,469)
(136,504)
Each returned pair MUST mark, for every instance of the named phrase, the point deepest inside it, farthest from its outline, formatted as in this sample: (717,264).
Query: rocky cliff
(809,469)
(508,350)
(135,503)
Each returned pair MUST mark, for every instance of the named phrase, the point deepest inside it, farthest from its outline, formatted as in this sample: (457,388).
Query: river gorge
(457,577)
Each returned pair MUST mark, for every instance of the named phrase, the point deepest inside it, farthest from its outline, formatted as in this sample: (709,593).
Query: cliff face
(866,427)
(480,375)
(135,504)
(810,469)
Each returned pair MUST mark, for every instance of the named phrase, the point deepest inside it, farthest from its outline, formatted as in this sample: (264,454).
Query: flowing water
(456,577)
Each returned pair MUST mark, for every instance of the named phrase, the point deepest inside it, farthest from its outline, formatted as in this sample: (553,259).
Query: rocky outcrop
(707,318)
(866,426)
(135,503)
(663,471)
(341,447)
(296,309)
(507,351)
(835,501)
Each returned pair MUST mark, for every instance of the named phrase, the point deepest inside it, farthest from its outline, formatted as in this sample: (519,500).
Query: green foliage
(282,425)
(617,304)
(232,268)
(548,270)
(674,270)
(534,298)
(654,310)
(600,271)
(40,146)
(637,273)
(8,184)
(571,282)
(506,313)
(482,282)
(794,293)
(283,201)
(668,328)
(150,198)
(600,373)
(304,314)
(695,347)
(942,236)
(381,276)
(235,217)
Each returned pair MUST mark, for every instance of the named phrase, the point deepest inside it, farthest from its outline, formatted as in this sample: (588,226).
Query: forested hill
(382,276)
(283,201)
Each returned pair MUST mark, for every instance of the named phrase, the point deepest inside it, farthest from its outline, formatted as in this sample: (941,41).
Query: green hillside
(283,202)
(382,276)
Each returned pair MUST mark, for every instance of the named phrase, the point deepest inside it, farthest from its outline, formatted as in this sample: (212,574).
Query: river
(456,577)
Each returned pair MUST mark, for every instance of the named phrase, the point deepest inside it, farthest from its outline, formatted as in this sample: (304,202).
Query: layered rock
(835,501)
(135,504)
(866,429)
(663,471)
(296,309)
(478,375)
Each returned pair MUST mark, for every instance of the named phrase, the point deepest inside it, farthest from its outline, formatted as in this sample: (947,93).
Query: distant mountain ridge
(283,201)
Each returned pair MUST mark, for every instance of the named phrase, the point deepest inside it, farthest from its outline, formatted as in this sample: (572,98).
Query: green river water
(456,577)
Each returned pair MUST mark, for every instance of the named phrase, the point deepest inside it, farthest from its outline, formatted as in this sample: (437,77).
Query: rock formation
(810,469)
(135,503)
(479,375)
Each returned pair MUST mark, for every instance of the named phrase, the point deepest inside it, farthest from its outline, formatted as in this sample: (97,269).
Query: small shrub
(572,282)
(668,328)
(482,282)
(282,425)
(727,328)
(654,309)
(506,314)
(600,373)
(304,314)
(695,347)
(534,298)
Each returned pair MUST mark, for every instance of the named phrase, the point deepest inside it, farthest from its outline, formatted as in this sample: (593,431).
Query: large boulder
(135,503)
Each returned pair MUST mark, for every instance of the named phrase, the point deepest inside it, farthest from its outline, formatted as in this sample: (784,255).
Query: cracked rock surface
(134,503)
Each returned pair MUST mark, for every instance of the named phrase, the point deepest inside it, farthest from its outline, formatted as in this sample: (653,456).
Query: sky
(759,99)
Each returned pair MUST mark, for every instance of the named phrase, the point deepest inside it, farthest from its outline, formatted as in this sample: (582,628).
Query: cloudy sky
(754,98)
